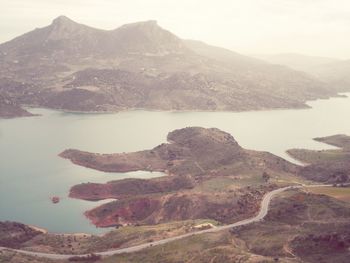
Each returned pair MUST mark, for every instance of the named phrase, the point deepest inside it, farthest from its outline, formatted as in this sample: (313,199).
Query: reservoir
(31,171)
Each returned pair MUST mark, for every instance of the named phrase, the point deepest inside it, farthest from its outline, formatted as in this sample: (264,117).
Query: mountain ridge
(178,74)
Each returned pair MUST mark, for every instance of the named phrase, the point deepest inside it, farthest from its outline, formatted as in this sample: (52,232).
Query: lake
(31,172)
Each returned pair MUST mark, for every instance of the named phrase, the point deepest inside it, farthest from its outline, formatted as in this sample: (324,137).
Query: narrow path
(262,213)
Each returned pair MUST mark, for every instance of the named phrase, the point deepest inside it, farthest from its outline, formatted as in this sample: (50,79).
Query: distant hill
(337,74)
(298,61)
(333,71)
(71,66)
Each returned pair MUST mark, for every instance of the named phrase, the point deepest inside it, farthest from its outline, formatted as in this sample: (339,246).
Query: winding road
(262,213)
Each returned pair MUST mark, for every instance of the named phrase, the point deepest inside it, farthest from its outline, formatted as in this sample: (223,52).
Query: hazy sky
(314,27)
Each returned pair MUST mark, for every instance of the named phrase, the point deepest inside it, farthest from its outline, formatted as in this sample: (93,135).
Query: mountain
(333,71)
(71,66)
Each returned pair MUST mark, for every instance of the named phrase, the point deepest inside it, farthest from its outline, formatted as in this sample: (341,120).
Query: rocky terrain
(194,157)
(329,166)
(70,66)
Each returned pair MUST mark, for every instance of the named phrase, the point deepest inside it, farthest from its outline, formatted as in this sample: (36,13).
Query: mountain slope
(71,66)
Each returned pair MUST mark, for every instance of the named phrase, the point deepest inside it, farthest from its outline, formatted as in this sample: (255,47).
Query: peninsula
(208,177)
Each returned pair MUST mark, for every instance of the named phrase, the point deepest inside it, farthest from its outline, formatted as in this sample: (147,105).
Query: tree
(266,177)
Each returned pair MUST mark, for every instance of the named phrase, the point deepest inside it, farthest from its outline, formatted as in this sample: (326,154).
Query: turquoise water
(31,171)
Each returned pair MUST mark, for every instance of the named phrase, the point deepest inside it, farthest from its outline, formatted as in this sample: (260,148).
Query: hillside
(15,234)
(71,66)
(331,166)
(300,227)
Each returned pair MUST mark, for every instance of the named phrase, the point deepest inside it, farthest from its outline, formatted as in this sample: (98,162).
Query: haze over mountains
(71,66)
(298,61)
(333,71)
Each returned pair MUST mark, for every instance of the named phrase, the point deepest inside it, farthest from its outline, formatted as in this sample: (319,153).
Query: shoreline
(40,229)
(266,109)
(165,174)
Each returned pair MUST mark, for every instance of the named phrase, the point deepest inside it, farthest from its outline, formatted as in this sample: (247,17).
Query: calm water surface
(31,171)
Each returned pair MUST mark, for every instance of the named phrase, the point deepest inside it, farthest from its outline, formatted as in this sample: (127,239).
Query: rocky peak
(61,20)
(143,25)
(148,37)
(64,28)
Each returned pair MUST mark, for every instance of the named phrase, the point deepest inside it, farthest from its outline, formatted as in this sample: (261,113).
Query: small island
(55,199)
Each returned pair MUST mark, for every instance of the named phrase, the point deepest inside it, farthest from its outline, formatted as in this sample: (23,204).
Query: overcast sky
(313,27)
